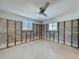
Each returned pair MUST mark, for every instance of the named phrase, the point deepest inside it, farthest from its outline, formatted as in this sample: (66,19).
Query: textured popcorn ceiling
(29,8)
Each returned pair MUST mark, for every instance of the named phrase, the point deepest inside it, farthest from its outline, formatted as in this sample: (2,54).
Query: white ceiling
(29,8)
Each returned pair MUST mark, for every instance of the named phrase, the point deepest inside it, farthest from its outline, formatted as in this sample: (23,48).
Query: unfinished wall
(10,33)
(30,35)
(61,32)
(3,33)
(18,28)
(67,33)
(75,37)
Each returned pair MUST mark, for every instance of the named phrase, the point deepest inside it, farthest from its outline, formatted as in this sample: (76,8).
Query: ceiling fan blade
(46,5)
(43,8)
(44,14)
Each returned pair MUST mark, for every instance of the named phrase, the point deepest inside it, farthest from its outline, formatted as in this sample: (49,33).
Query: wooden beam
(41,30)
(7,35)
(26,36)
(64,33)
(30,35)
(36,31)
(33,32)
(21,31)
(46,31)
(78,33)
(71,32)
(53,35)
(58,31)
(15,31)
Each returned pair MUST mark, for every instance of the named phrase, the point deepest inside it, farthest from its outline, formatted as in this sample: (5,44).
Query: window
(53,26)
(27,25)
(50,26)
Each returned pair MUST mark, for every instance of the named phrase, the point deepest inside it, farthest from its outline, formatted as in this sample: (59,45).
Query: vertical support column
(33,32)
(53,35)
(46,31)
(49,34)
(36,31)
(40,28)
(7,34)
(71,32)
(78,33)
(26,36)
(64,33)
(58,32)
(30,35)
(41,31)
(15,32)
(21,32)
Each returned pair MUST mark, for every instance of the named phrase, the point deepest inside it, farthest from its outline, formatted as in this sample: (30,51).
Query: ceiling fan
(43,8)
